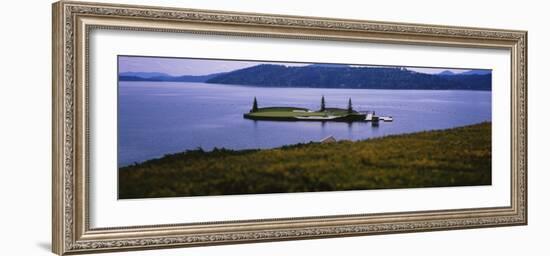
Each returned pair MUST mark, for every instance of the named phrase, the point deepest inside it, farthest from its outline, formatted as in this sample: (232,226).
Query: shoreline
(299,87)
(200,149)
(442,158)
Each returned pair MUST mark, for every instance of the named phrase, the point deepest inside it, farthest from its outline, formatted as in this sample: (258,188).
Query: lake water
(156,118)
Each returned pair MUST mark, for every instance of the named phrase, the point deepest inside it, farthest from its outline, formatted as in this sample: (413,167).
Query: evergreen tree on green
(254,106)
(350,107)
(323,103)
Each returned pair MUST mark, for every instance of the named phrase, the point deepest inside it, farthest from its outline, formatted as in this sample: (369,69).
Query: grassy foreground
(452,157)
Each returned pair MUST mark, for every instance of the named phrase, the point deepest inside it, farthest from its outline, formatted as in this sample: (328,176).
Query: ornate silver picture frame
(72,24)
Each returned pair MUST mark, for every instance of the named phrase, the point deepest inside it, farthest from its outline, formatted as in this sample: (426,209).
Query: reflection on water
(160,118)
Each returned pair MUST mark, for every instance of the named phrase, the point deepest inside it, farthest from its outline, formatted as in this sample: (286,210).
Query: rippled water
(156,118)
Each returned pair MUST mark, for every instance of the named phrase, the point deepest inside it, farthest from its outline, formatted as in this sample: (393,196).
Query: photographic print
(205,127)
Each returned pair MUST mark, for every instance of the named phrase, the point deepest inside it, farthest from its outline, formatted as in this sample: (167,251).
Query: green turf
(296,112)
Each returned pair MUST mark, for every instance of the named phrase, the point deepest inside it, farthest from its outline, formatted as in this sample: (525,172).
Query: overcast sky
(186,66)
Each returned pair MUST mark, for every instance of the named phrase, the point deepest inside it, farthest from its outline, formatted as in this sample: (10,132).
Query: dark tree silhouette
(254,106)
(323,103)
(350,106)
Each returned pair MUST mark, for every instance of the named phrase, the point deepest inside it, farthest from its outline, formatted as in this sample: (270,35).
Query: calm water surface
(156,118)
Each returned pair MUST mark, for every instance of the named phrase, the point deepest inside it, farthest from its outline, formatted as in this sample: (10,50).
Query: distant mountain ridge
(143,74)
(476,72)
(321,65)
(331,76)
(162,77)
(312,76)
(471,72)
(446,73)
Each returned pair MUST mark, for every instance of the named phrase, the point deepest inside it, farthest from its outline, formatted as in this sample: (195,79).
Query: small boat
(386,118)
(372,117)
